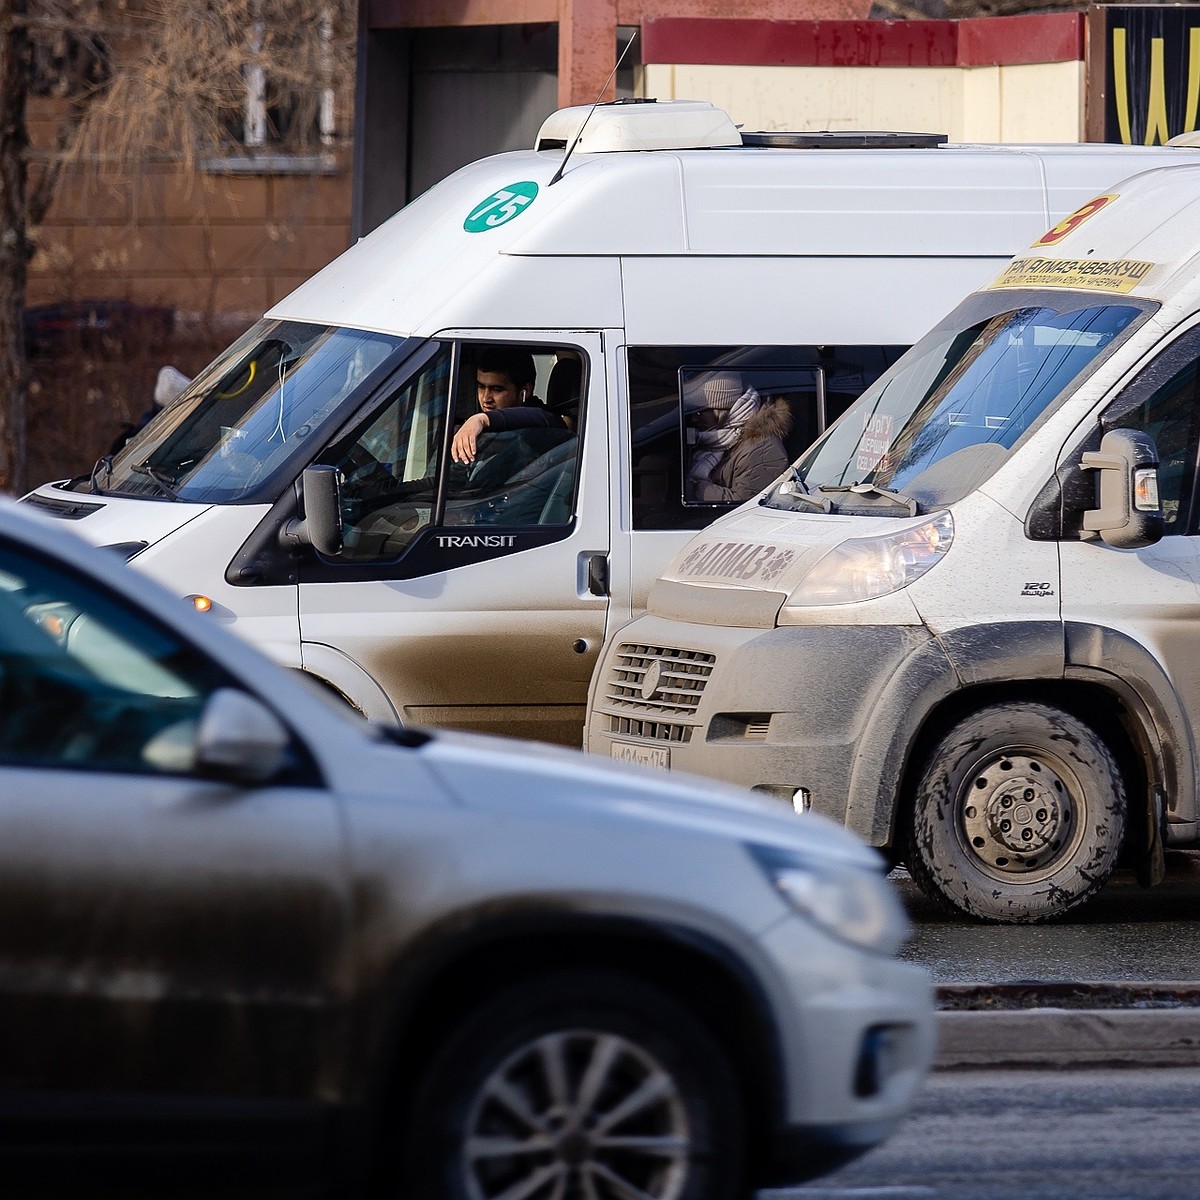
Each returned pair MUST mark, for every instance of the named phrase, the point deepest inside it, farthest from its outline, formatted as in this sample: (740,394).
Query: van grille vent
(658,682)
(655,731)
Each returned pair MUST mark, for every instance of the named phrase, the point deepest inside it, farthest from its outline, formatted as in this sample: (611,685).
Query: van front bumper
(816,716)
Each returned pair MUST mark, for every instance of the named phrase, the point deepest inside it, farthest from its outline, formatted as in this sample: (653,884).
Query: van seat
(564,388)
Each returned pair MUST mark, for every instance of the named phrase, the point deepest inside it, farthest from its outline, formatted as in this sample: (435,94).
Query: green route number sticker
(501,206)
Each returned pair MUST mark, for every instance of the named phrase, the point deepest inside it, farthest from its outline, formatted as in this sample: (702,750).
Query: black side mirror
(321,525)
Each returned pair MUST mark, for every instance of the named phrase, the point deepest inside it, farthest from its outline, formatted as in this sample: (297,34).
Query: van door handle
(597,574)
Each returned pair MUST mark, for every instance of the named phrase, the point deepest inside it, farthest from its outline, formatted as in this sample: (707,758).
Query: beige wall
(1037,103)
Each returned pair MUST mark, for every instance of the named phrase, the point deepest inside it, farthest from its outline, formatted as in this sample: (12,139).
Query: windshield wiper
(164,481)
(104,462)
(794,491)
(869,489)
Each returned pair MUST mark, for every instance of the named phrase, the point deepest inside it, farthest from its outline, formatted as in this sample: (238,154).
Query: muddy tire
(579,1084)
(1019,815)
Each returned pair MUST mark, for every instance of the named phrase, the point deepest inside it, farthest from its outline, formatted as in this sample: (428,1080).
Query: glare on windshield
(950,411)
(248,412)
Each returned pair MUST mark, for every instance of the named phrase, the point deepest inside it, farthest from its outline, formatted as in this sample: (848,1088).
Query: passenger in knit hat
(721,391)
(718,392)
(736,439)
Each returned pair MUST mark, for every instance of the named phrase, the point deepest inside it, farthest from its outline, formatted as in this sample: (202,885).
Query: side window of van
(484,435)
(1164,401)
(711,426)
(521,469)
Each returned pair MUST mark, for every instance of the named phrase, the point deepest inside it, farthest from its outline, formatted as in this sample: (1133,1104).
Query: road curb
(1050,1037)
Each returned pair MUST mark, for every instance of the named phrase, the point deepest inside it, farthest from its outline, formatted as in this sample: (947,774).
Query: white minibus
(966,622)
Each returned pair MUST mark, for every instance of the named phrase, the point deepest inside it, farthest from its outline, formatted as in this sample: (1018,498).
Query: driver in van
(739,443)
(504,378)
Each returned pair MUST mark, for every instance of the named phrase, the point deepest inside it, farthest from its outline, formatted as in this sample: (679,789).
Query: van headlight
(852,903)
(866,568)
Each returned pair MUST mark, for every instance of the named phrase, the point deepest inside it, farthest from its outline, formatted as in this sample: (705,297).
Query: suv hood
(552,783)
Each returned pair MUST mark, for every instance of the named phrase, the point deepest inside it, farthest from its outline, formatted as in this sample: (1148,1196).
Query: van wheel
(579,1084)
(1019,815)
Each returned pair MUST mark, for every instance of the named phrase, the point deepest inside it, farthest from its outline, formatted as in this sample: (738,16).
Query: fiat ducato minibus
(966,622)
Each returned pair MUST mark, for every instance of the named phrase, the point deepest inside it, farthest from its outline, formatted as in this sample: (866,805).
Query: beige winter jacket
(753,461)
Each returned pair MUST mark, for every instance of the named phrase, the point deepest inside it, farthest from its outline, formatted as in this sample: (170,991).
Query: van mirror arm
(1130,514)
(321,525)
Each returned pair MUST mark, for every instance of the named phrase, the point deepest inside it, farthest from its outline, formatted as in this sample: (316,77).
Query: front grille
(657,731)
(679,679)
(652,691)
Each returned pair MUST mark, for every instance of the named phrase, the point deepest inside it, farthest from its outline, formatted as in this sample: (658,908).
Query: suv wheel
(577,1085)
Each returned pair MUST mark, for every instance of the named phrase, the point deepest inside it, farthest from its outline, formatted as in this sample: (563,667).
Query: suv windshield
(252,410)
(950,411)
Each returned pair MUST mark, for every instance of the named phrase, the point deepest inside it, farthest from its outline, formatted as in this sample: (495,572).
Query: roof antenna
(575,141)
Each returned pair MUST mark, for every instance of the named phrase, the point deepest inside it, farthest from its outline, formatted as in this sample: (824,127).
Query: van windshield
(950,411)
(249,413)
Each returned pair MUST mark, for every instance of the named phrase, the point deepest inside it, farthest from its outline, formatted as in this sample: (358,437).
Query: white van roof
(1142,238)
(449,261)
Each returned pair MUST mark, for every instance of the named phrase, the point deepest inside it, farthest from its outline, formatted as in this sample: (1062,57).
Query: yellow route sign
(1086,274)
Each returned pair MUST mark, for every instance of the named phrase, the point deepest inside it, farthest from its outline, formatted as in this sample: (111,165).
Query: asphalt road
(1124,933)
(1034,1135)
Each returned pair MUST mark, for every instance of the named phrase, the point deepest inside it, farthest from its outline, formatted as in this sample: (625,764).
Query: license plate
(644,756)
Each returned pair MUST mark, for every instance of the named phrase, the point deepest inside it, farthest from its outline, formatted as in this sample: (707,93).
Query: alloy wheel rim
(580,1114)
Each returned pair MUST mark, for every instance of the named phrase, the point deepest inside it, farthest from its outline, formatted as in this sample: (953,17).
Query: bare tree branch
(136,82)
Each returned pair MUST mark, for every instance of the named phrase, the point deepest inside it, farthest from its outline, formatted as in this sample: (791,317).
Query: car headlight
(854,904)
(866,568)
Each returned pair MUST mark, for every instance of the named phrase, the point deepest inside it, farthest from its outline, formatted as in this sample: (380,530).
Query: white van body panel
(780,546)
(265,616)
(422,270)
(1167,209)
(863,300)
(184,563)
(989,569)
(113,518)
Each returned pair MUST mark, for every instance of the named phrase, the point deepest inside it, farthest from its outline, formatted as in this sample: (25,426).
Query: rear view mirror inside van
(1130,513)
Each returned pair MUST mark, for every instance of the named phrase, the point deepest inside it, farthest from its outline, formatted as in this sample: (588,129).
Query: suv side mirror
(1130,514)
(321,525)
(239,739)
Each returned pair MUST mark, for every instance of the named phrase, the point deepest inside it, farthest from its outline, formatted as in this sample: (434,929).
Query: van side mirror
(1130,513)
(321,525)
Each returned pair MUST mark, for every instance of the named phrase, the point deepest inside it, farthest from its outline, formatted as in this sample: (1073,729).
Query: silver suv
(246,935)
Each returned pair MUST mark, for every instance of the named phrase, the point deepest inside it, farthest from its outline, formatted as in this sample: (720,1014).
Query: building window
(276,130)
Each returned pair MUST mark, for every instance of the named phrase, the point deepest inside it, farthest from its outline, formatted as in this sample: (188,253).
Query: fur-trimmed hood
(773,419)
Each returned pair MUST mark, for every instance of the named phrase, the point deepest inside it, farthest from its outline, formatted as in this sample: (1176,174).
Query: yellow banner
(1088,274)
